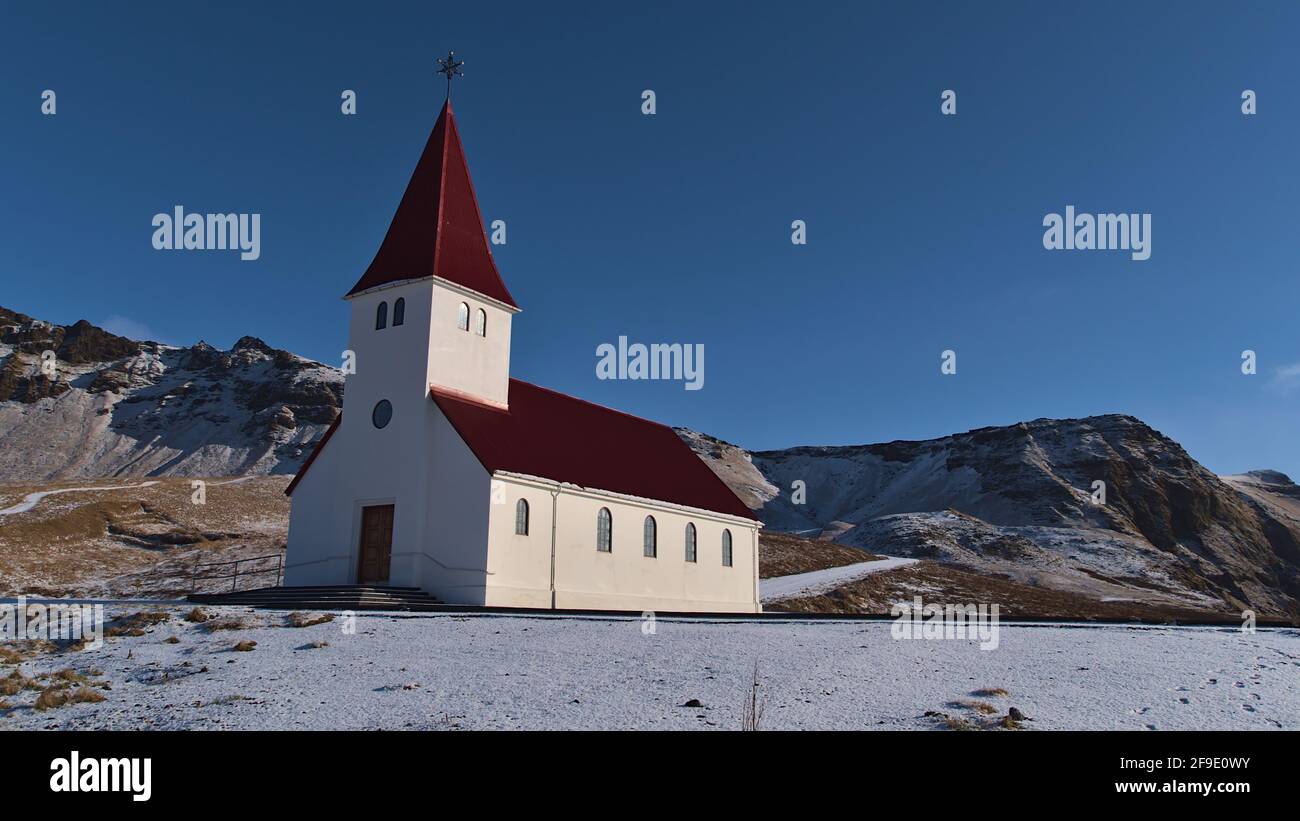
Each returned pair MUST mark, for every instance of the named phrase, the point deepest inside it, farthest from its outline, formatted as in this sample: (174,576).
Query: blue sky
(924,231)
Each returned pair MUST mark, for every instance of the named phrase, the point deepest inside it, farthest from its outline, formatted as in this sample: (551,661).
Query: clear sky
(924,231)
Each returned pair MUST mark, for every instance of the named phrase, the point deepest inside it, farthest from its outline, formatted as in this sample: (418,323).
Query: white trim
(642,501)
(434,387)
(460,289)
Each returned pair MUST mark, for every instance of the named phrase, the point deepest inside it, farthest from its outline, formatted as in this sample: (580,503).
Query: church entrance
(376,544)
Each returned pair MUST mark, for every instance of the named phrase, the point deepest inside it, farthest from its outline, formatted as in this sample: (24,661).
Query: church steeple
(438,229)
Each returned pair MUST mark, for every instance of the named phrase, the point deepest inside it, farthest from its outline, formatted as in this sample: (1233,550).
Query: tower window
(651,538)
(690,542)
(399,312)
(521,517)
(480,323)
(382,414)
(462,317)
(604,530)
(381,316)
(726,548)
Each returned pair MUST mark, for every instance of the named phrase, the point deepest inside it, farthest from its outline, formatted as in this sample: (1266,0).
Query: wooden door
(376,544)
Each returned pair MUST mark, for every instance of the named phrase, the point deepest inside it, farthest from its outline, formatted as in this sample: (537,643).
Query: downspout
(758,602)
(555,500)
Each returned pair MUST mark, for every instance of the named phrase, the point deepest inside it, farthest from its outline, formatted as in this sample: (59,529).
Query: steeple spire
(438,229)
(450,67)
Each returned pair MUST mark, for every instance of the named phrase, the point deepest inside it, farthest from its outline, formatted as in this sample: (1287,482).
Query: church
(444,473)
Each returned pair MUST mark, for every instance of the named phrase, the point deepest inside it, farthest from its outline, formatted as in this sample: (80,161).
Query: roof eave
(749,520)
(458,288)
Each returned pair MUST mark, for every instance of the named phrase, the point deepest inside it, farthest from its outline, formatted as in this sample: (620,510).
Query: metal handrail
(396,555)
(482,570)
(234,577)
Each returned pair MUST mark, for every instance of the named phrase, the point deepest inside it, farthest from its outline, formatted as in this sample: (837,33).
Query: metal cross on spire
(451,68)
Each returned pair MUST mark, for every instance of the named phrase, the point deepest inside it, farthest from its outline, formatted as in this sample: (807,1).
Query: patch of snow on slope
(32,499)
(819,581)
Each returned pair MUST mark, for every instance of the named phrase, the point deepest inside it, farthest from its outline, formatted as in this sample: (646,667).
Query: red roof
(438,229)
(553,436)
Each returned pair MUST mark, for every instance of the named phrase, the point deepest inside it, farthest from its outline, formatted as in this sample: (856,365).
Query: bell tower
(432,309)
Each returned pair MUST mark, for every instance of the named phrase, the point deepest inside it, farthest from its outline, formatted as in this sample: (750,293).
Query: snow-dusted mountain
(1016,501)
(113,406)
(1012,502)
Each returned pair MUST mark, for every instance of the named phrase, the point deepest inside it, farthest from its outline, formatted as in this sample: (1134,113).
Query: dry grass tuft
(135,623)
(16,652)
(245,645)
(958,723)
(84,695)
(51,697)
(297,619)
(171,640)
(225,624)
(985,717)
(15,683)
(69,676)
(981,707)
(198,615)
(990,692)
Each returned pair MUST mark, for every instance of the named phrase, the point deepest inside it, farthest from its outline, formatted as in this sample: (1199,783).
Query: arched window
(521,517)
(651,538)
(480,323)
(604,530)
(462,317)
(726,548)
(399,312)
(381,316)
(690,541)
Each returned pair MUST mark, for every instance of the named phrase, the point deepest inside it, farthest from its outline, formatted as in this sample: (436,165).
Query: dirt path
(818,581)
(32,499)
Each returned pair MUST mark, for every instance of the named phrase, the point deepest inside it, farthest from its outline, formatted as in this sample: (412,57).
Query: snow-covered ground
(819,581)
(450,671)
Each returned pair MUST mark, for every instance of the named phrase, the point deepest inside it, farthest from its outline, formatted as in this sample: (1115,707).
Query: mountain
(1011,504)
(112,406)
(1017,502)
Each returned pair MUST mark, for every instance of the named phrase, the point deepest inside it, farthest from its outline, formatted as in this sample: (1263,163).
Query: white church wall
(453,565)
(520,565)
(462,360)
(366,465)
(624,578)
(317,553)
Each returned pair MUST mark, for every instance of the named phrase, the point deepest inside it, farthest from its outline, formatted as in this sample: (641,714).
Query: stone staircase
(326,597)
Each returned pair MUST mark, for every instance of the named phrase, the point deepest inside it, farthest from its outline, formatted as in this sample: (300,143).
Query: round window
(382,414)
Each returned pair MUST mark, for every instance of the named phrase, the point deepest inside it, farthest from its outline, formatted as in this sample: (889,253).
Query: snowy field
(450,671)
